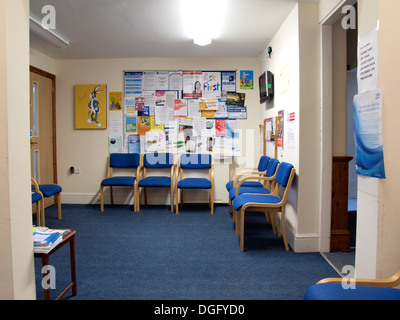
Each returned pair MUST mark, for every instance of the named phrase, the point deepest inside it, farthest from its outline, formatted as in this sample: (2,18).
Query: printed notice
(368,134)
(368,61)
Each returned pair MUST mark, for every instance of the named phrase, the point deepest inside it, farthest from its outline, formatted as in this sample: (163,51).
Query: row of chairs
(39,193)
(262,189)
(143,164)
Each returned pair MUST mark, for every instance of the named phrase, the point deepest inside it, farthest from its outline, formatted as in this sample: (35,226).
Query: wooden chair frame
(268,182)
(390,282)
(241,172)
(39,204)
(110,173)
(267,208)
(179,177)
(143,173)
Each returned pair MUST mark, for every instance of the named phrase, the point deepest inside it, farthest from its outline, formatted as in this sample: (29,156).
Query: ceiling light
(203,19)
(48,35)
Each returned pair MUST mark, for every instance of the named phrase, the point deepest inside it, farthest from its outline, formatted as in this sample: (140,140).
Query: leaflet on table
(45,239)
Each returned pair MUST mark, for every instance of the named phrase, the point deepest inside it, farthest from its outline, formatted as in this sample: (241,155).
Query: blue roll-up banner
(367,110)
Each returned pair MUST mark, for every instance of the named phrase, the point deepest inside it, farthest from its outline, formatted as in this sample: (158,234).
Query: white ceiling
(98,29)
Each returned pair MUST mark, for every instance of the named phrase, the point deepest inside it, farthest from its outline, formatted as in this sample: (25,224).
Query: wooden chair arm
(390,282)
(236,172)
(35,184)
(239,176)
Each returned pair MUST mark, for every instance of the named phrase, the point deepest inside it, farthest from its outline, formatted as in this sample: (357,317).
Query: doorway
(43,128)
(338,89)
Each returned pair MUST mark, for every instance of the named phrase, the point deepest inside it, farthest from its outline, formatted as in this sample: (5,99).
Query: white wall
(88,149)
(17,278)
(296,48)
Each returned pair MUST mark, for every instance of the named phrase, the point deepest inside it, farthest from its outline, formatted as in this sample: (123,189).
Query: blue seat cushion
(194,183)
(36,197)
(49,190)
(241,200)
(248,190)
(155,182)
(118,181)
(256,184)
(335,291)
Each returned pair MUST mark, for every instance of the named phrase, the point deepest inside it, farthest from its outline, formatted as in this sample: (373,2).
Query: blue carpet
(157,255)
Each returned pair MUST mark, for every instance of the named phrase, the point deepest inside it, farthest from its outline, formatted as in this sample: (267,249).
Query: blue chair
(50,190)
(157,161)
(268,185)
(193,162)
(355,289)
(240,172)
(268,182)
(121,161)
(37,197)
(267,203)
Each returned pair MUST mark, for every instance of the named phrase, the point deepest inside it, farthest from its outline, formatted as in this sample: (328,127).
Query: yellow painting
(91,106)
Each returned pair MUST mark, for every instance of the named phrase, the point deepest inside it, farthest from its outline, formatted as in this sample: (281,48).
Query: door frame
(52,77)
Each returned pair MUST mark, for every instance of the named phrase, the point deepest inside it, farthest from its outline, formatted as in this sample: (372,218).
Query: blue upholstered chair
(50,190)
(157,161)
(121,161)
(195,162)
(355,289)
(268,182)
(270,203)
(37,197)
(240,172)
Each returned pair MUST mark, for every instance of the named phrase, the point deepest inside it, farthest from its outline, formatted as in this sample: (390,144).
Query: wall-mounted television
(266,86)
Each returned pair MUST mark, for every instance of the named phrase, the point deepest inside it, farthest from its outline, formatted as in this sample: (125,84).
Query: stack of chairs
(270,197)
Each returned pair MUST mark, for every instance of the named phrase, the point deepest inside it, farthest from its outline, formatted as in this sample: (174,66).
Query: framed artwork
(91,106)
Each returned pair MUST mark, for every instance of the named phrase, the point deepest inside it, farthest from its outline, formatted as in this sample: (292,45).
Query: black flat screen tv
(266,86)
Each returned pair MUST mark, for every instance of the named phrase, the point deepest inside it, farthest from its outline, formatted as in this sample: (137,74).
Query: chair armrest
(390,282)
(236,172)
(273,189)
(35,184)
(239,176)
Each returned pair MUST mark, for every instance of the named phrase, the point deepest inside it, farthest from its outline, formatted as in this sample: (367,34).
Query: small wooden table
(69,238)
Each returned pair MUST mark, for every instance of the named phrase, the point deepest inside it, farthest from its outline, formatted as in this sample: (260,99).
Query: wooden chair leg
(283,223)
(212,200)
(271,220)
(176,201)
(41,212)
(181,198)
(241,218)
(59,205)
(112,196)
(172,198)
(38,214)
(101,199)
(237,222)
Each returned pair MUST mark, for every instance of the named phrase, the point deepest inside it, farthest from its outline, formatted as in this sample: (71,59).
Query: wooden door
(42,128)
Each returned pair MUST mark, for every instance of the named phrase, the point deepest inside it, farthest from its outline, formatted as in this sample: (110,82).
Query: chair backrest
(124,160)
(283,173)
(158,160)
(263,163)
(271,168)
(195,161)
